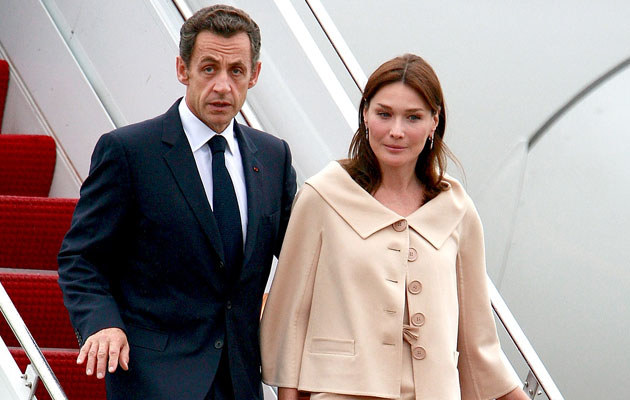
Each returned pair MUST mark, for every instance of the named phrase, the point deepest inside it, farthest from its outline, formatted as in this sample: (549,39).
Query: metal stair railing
(538,380)
(39,369)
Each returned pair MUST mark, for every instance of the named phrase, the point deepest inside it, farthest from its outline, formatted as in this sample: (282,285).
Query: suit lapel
(253,182)
(182,164)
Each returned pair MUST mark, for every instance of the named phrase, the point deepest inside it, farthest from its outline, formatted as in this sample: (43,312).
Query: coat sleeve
(482,371)
(288,193)
(286,314)
(86,259)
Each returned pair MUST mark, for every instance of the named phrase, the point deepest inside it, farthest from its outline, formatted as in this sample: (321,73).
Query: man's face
(218,77)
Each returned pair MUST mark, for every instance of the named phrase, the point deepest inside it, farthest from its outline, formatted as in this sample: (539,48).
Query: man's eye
(208,69)
(237,71)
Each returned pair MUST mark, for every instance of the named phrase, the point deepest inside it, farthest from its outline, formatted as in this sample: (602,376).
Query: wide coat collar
(434,221)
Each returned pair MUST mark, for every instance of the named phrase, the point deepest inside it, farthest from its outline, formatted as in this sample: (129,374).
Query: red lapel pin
(256,169)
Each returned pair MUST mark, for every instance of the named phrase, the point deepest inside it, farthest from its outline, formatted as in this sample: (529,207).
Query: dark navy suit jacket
(144,254)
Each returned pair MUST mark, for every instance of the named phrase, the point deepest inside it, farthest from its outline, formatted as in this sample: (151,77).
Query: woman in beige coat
(380,290)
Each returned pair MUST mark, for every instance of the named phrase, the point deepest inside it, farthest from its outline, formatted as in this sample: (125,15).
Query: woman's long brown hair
(417,74)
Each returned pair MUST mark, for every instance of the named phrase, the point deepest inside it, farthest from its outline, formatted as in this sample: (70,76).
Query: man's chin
(218,124)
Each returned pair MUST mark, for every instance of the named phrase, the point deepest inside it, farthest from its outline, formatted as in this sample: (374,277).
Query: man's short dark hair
(222,20)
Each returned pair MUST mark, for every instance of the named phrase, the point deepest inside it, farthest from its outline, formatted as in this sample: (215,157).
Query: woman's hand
(287,394)
(516,394)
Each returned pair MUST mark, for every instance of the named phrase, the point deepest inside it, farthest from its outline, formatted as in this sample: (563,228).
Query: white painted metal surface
(27,342)
(522,343)
(338,42)
(566,273)
(11,384)
(326,74)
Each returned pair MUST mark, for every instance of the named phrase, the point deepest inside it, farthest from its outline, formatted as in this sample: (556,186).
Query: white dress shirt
(198,135)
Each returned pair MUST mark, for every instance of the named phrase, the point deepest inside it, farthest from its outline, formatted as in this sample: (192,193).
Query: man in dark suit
(171,244)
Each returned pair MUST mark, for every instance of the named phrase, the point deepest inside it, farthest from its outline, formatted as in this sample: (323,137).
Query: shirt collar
(198,133)
(435,220)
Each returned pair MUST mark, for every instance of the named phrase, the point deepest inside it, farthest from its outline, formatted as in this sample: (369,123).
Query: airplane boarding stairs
(32,227)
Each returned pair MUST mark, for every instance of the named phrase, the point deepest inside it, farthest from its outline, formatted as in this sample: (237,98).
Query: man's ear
(182,71)
(255,73)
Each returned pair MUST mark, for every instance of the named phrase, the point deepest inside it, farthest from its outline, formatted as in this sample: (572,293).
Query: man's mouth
(220,104)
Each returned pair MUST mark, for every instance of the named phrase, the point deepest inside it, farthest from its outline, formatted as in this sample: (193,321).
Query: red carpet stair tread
(27,164)
(32,227)
(37,297)
(71,376)
(31,231)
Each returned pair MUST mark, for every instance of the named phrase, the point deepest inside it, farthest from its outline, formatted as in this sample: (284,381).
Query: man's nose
(222,83)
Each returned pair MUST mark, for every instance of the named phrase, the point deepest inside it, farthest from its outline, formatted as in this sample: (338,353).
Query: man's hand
(107,347)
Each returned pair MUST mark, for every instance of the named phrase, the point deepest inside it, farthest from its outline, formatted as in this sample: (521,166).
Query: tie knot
(217,144)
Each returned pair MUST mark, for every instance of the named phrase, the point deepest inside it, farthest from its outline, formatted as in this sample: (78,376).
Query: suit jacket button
(79,338)
(218,344)
(221,265)
(417,319)
(413,254)
(414,287)
(400,226)
(228,305)
(419,353)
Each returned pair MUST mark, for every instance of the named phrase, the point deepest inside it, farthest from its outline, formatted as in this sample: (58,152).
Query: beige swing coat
(333,319)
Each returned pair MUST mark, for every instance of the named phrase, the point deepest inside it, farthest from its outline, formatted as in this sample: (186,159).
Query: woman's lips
(394,148)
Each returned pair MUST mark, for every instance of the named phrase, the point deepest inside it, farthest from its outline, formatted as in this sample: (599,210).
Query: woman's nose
(396,130)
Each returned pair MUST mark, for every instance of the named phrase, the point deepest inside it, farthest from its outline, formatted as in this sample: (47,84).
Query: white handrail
(338,43)
(523,345)
(317,59)
(39,363)
(184,8)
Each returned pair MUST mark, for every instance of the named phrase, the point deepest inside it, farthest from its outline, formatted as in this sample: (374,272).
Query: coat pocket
(146,338)
(342,347)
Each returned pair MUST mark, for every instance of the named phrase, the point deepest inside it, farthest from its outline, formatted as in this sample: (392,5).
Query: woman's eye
(414,117)
(383,114)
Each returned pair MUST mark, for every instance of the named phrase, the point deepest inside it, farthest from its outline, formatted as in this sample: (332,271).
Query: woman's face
(399,122)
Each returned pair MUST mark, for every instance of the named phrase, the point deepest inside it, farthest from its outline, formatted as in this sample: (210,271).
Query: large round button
(400,226)
(413,254)
(417,319)
(419,353)
(414,287)
(218,344)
